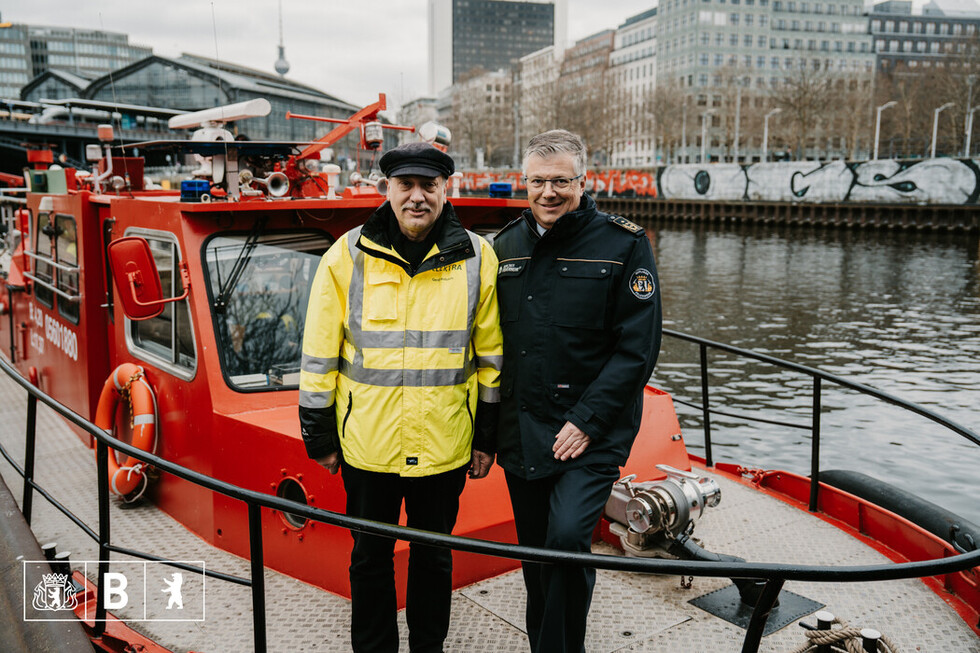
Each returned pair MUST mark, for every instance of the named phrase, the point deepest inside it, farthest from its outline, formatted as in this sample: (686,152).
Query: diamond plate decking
(631,612)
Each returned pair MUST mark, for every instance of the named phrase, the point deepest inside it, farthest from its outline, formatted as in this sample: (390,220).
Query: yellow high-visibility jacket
(395,362)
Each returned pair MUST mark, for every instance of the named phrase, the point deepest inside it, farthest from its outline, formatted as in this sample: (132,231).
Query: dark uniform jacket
(581,317)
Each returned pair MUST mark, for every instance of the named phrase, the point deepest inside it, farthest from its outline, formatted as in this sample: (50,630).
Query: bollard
(49,550)
(869,639)
(825,620)
(61,563)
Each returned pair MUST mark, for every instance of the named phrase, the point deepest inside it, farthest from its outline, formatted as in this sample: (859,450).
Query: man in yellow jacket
(400,386)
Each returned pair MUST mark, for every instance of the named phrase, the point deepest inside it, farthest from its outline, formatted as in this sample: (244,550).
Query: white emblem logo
(55,592)
(173,587)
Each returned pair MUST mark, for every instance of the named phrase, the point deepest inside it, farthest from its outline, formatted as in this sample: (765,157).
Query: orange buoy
(128,383)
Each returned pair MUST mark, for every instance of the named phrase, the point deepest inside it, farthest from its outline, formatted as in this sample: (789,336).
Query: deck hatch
(726,604)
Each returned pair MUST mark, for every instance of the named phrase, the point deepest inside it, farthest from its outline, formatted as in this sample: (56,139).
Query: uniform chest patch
(510,267)
(641,284)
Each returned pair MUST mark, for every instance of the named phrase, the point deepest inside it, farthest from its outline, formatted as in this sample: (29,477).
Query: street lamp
(935,127)
(968,123)
(878,124)
(704,132)
(738,114)
(684,131)
(765,134)
(969,130)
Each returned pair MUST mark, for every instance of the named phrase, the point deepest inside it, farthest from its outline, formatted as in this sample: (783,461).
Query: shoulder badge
(620,221)
(641,284)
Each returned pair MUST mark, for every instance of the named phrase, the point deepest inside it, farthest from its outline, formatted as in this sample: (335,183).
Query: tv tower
(282,66)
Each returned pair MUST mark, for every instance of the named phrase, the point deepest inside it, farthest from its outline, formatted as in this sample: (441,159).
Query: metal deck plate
(616,620)
(488,616)
(726,604)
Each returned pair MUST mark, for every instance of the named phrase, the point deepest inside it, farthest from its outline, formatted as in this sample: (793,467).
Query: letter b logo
(115,591)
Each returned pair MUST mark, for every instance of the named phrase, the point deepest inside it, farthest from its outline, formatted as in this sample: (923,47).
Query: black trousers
(559,512)
(431,503)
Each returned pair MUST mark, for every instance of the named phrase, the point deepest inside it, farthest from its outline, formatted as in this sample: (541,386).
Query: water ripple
(894,310)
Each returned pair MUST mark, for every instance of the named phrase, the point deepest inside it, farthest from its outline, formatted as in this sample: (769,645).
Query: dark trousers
(431,504)
(559,512)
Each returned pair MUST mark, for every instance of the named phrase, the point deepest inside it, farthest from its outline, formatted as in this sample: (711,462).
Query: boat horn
(357,178)
(277,183)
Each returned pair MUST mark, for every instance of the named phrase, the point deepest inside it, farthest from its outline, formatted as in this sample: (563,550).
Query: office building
(468,37)
(27,51)
(919,42)
(700,44)
(416,113)
(633,67)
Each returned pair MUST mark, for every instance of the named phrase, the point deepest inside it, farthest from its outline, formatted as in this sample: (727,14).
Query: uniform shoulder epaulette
(623,223)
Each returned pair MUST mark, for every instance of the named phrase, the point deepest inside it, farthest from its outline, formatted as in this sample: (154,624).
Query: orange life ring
(128,380)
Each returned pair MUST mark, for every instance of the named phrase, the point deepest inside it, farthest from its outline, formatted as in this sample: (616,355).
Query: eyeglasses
(558,183)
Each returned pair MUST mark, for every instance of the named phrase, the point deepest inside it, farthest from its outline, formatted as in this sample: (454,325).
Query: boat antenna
(282,66)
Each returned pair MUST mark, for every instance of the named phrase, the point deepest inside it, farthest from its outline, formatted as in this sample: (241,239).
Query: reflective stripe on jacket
(400,359)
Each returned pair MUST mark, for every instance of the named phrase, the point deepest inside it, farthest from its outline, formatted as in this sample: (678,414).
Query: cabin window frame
(42,294)
(159,354)
(70,309)
(243,382)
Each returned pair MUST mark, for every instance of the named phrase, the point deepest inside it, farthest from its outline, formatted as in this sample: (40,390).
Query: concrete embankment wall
(929,217)
(943,181)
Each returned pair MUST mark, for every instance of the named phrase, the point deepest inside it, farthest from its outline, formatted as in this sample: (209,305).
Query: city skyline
(341,49)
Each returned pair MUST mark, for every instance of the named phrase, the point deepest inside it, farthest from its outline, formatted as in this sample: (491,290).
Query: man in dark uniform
(581,317)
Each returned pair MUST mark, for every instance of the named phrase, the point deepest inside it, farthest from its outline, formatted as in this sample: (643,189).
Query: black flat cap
(419,159)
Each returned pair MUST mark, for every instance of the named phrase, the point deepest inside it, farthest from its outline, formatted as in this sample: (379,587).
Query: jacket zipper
(468,411)
(350,405)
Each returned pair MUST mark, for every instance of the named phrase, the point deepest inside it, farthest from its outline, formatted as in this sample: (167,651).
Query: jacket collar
(452,243)
(567,225)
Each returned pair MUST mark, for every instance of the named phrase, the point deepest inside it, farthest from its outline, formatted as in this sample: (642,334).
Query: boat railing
(817,377)
(775,575)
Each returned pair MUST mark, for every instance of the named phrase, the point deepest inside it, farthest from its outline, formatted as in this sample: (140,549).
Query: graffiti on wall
(927,181)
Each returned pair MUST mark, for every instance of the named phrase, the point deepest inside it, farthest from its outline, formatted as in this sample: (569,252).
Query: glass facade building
(471,36)
(493,34)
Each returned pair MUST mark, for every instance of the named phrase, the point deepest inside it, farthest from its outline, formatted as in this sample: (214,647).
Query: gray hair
(558,141)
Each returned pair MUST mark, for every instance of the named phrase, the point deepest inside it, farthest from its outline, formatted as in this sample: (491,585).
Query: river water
(899,311)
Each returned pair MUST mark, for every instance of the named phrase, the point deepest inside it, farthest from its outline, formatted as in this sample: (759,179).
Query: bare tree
(482,118)
(804,96)
(847,111)
(586,106)
(663,109)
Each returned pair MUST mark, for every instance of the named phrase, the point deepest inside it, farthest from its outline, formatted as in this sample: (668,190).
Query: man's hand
(331,462)
(570,442)
(480,464)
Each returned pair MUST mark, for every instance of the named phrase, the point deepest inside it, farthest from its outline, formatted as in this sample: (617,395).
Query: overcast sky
(352,49)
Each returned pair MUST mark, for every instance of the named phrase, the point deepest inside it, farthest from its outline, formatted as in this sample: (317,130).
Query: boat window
(43,269)
(260,328)
(66,253)
(168,336)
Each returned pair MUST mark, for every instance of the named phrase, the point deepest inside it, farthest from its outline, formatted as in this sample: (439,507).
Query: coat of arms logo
(55,592)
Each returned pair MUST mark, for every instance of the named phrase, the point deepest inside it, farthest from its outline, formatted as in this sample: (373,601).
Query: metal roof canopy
(211,148)
(82,103)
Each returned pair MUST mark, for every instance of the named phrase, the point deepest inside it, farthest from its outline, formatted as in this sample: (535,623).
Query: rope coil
(845,639)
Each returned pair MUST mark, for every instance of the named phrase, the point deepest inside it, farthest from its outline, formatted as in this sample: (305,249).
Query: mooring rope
(846,638)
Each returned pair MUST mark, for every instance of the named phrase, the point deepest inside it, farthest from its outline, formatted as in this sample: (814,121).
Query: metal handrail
(54,289)
(775,574)
(969,434)
(818,377)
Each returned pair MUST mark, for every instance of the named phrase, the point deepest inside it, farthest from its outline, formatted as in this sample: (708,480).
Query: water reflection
(899,311)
